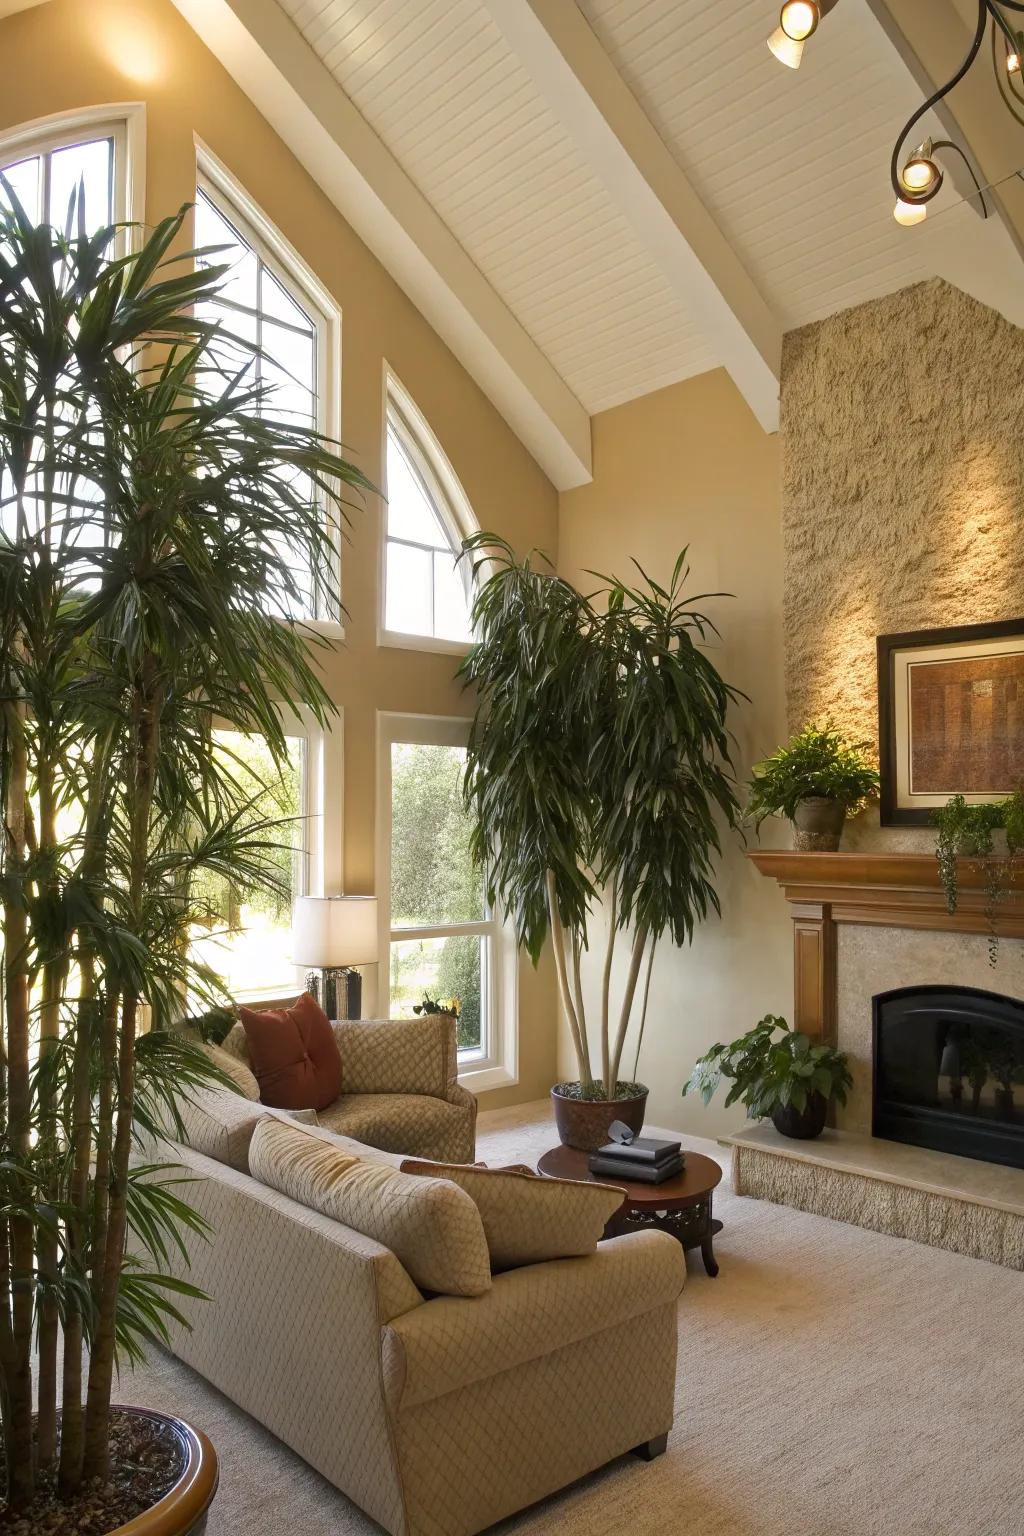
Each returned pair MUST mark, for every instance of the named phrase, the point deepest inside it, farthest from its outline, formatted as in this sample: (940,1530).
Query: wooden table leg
(707,1251)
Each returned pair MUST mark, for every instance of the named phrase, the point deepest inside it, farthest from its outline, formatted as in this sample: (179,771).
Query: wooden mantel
(889,890)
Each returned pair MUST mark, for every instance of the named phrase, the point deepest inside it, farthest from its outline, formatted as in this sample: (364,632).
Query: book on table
(639,1172)
(644,1149)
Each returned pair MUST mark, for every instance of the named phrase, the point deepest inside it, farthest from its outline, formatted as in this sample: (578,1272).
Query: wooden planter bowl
(583,1123)
(183,1511)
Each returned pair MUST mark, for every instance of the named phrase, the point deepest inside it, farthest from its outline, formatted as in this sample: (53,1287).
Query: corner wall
(690,465)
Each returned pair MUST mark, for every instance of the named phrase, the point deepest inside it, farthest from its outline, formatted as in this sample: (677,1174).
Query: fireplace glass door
(949,1072)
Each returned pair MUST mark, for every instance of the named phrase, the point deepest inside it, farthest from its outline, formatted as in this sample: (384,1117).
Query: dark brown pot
(183,1511)
(583,1123)
(801,1124)
(818,824)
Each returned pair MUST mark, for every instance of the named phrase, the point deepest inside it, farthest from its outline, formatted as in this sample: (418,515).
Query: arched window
(426,593)
(97,150)
(270,300)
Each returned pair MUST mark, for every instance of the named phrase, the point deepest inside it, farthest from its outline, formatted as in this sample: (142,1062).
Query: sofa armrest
(451,1342)
(411,1056)
(465,1100)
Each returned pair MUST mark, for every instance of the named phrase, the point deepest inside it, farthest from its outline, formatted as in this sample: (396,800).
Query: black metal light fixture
(917,178)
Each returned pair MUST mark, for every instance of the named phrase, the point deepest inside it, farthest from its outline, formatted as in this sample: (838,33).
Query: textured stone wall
(902,489)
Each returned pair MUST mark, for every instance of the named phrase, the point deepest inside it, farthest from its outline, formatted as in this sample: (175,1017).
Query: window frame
(279,256)
(123,122)
(445,492)
(497,1065)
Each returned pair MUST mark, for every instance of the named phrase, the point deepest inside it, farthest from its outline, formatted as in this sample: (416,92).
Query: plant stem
(577,1026)
(635,959)
(643,1009)
(606,982)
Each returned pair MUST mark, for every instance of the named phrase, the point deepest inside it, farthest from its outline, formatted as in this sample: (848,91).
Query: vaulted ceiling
(591,199)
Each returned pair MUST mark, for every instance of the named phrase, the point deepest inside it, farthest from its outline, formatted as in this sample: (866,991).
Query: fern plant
(817,762)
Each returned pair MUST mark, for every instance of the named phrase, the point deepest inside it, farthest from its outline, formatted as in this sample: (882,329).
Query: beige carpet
(832,1382)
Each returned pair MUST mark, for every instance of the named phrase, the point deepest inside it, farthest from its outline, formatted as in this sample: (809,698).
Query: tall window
(425,592)
(266,304)
(246,939)
(443,939)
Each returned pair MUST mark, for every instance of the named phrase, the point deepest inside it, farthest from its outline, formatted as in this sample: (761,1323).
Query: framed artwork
(950,717)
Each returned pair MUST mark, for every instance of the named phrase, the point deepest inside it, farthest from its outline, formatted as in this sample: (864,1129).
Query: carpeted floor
(831,1382)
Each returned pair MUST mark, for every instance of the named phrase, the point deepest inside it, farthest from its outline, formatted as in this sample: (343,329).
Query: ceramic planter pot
(583,1123)
(182,1511)
(801,1124)
(818,824)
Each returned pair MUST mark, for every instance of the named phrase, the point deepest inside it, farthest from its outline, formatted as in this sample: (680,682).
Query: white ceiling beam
(269,58)
(568,64)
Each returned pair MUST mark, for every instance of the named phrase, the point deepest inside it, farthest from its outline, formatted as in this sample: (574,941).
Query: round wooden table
(681,1206)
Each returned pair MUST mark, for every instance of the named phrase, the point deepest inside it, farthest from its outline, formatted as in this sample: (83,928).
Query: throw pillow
(294,1054)
(432,1227)
(528,1219)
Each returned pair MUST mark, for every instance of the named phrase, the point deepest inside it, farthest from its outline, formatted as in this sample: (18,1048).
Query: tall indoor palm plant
(598,767)
(154,514)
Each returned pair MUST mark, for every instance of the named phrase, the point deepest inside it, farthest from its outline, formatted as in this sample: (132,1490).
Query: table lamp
(331,934)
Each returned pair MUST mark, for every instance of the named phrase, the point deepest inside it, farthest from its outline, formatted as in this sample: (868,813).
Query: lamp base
(338,990)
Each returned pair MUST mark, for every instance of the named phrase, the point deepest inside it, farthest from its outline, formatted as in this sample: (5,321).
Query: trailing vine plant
(968,832)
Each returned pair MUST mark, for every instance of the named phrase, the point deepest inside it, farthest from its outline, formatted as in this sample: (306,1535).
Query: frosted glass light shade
(332,931)
(788,50)
(909,214)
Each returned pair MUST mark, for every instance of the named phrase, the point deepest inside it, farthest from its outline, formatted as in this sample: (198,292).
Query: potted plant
(778,1072)
(597,771)
(968,832)
(817,780)
(148,494)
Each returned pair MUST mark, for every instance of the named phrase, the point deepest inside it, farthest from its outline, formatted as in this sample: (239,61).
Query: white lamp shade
(334,931)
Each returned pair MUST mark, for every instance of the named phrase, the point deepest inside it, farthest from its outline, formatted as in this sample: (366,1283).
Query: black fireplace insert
(949,1071)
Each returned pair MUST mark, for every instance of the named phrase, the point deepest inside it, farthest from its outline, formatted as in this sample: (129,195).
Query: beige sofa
(438,1415)
(401,1087)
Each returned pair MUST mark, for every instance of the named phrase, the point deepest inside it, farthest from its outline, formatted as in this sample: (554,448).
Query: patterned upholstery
(401,1088)
(233,1067)
(432,1226)
(219,1123)
(437,1417)
(526,1219)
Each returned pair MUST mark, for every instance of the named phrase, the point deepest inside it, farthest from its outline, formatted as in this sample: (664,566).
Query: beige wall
(903,484)
(690,465)
(78,53)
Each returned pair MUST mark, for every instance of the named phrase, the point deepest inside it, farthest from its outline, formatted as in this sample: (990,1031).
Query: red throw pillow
(294,1054)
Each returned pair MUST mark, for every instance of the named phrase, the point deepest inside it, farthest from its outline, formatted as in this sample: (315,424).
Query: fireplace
(949,1071)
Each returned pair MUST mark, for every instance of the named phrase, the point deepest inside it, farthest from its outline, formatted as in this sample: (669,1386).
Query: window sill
(395,640)
(480,1077)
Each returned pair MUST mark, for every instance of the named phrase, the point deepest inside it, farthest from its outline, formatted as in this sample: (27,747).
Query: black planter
(801,1124)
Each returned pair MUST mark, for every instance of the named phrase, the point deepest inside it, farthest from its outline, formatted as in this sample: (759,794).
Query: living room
(513,947)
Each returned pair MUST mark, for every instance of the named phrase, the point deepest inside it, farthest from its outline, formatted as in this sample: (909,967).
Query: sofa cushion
(432,1226)
(409,1056)
(416,1124)
(232,1067)
(528,1219)
(219,1123)
(294,1054)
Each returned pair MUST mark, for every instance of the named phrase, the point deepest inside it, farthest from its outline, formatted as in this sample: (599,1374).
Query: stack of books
(645,1160)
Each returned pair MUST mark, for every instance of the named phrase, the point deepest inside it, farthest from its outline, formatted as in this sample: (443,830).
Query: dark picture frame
(894,657)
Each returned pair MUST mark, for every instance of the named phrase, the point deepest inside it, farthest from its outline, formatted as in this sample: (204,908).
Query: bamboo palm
(154,511)
(598,769)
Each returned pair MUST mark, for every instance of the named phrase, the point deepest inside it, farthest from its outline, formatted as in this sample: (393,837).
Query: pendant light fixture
(917,178)
(798,20)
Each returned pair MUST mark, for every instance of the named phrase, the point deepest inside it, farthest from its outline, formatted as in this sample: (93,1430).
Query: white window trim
(284,261)
(124,122)
(323,810)
(446,491)
(500,1067)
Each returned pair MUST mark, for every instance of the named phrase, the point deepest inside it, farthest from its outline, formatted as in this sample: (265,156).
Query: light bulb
(799,19)
(918,174)
(785,49)
(1013,63)
(908,214)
